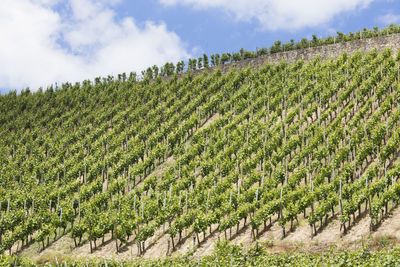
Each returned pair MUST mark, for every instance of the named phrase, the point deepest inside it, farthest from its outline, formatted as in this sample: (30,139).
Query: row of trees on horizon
(221,59)
(205,61)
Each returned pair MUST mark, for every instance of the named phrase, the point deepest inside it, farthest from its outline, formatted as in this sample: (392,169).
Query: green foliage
(200,150)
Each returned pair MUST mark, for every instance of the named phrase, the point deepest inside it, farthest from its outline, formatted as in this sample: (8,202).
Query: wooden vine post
(116,236)
(90,236)
(341,207)
(312,209)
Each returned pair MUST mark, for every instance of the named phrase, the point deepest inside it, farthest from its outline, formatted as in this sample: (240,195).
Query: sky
(44,42)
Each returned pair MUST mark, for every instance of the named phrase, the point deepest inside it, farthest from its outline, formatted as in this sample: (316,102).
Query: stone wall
(325,52)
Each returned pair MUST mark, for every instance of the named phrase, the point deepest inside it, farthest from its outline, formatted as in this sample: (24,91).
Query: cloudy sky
(48,41)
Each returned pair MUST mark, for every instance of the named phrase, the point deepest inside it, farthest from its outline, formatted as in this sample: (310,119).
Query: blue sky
(213,30)
(49,41)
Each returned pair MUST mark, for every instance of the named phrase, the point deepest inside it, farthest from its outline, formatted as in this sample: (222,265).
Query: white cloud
(279,14)
(389,19)
(41,45)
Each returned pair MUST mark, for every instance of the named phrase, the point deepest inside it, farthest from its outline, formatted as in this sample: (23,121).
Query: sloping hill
(286,153)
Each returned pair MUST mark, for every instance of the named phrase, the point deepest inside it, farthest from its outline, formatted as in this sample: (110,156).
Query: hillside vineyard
(191,156)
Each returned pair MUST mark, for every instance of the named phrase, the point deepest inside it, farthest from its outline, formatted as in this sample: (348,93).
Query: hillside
(293,155)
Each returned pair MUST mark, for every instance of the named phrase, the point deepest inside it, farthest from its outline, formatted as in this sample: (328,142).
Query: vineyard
(172,164)
(226,254)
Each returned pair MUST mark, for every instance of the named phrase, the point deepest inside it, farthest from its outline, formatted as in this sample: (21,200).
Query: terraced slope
(162,167)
